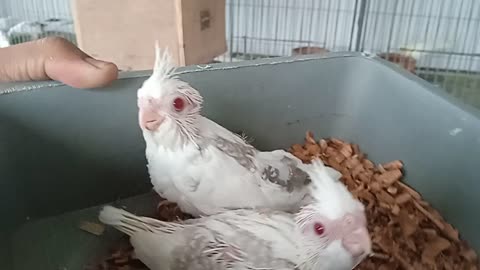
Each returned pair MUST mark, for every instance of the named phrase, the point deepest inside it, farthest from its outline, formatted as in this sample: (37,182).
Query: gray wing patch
(243,153)
(208,251)
(296,178)
(202,253)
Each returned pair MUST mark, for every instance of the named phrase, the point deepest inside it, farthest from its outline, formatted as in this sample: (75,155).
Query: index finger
(54,58)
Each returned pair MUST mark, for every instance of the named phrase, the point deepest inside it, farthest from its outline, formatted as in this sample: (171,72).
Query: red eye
(319,228)
(179,104)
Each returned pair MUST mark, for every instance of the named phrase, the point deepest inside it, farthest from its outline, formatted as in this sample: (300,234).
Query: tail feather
(131,224)
(319,170)
(325,182)
(330,195)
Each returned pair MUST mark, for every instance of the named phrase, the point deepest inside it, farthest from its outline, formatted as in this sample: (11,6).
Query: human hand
(57,59)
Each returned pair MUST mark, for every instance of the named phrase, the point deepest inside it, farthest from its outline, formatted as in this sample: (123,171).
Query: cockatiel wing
(220,244)
(228,143)
(227,241)
(285,182)
(280,168)
(277,167)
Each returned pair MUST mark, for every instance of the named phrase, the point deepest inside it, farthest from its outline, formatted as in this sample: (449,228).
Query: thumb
(57,59)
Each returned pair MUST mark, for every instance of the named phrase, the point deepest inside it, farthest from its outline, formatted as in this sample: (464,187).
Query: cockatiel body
(327,234)
(202,166)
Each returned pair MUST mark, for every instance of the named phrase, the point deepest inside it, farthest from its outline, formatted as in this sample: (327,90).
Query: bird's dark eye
(319,228)
(179,104)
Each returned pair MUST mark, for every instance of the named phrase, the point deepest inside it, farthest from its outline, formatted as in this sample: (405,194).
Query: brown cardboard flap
(124,31)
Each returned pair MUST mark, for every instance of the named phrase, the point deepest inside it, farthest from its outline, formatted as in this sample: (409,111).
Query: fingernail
(96,63)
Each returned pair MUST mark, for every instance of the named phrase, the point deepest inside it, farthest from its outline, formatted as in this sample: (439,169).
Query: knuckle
(54,42)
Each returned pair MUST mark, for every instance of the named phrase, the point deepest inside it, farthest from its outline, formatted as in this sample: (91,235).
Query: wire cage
(26,20)
(437,40)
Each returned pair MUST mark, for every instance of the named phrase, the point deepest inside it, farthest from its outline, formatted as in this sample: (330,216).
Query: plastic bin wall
(63,149)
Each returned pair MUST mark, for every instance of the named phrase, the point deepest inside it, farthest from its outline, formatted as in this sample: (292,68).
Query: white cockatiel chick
(329,233)
(202,166)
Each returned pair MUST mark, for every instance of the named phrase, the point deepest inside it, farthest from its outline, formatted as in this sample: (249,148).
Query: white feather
(153,240)
(240,239)
(334,199)
(164,67)
(187,164)
(206,169)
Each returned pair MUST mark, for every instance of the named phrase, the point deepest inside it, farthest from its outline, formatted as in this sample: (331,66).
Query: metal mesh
(436,39)
(26,20)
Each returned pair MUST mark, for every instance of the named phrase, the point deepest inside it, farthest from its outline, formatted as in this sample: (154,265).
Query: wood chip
(323,145)
(337,142)
(123,260)
(469,255)
(356,149)
(429,215)
(352,162)
(430,233)
(367,164)
(395,210)
(346,150)
(433,248)
(297,148)
(312,149)
(93,228)
(381,169)
(403,198)
(406,231)
(407,224)
(451,232)
(383,196)
(392,190)
(390,177)
(309,138)
(410,191)
(380,256)
(403,262)
(393,165)
(357,170)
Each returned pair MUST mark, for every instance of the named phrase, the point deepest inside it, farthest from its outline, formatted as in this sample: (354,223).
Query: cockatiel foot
(165,203)
(170,211)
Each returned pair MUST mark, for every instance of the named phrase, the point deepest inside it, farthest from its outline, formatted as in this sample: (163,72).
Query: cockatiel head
(333,227)
(168,107)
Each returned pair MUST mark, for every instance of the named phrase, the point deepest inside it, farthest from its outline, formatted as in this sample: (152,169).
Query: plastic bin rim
(8,88)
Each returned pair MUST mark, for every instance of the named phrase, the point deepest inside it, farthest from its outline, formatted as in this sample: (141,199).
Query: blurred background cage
(437,40)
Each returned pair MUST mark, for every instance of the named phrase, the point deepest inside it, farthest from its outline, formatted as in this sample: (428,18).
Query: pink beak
(148,117)
(358,242)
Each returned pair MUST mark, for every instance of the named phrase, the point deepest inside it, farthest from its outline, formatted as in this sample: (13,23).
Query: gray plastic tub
(63,150)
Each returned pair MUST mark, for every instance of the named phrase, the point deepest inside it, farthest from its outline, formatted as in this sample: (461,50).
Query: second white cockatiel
(329,233)
(202,166)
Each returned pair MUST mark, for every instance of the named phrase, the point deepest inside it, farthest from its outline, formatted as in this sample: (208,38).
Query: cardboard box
(124,31)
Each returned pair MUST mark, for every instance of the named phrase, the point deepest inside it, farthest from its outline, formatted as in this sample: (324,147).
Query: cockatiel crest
(329,233)
(202,166)
(178,102)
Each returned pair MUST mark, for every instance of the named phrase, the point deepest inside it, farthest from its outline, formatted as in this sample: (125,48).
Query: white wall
(276,26)
(453,27)
(36,9)
(287,21)
(415,24)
